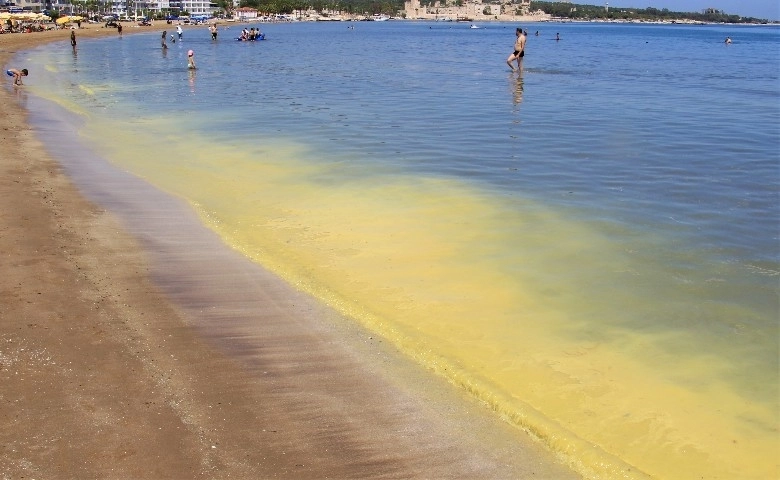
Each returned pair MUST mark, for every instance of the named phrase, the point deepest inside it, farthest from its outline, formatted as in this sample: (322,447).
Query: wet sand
(134,344)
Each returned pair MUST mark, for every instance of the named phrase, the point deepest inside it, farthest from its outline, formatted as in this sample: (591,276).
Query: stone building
(473,10)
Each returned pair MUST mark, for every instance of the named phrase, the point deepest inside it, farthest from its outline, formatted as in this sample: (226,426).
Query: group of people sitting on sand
(13,26)
(250,35)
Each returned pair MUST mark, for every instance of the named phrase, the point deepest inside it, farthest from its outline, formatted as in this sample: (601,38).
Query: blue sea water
(591,245)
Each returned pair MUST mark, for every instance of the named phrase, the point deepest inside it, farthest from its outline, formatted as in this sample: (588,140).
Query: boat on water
(379,17)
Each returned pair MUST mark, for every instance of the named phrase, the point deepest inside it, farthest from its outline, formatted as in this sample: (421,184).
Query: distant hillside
(370,7)
(600,12)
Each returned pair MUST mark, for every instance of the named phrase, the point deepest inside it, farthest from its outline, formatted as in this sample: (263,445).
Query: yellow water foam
(481,289)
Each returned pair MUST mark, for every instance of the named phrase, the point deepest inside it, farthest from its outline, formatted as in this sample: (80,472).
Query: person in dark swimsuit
(519,52)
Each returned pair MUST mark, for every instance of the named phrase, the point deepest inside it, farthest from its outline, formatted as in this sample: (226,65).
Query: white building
(244,14)
(34,5)
(194,7)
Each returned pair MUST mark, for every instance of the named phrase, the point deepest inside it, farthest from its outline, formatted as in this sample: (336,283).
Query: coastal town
(42,14)
(198,11)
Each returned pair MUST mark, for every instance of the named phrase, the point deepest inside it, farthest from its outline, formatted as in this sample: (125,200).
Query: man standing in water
(163,44)
(519,51)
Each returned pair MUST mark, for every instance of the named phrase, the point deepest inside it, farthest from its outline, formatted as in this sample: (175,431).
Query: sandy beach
(145,348)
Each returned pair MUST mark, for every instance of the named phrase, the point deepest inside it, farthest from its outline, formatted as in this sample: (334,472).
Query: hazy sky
(746,8)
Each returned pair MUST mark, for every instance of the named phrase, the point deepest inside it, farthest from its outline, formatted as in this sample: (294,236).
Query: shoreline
(122,359)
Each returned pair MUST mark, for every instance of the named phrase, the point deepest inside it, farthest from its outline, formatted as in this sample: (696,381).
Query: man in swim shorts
(519,51)
(17,74)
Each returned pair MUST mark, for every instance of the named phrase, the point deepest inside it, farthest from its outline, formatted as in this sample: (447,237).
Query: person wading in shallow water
(191,60)
(519,51)
(17,74)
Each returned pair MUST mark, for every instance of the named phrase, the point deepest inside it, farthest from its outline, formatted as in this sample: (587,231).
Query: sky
(769,9)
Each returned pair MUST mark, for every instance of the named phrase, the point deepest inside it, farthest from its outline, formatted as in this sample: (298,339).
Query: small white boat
(379,17)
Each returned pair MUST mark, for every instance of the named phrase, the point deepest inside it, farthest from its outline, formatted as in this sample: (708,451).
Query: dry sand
(133,344)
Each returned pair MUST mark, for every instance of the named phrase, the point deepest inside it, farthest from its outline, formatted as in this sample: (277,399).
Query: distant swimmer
(191,60)
(728,40)
(17,74)
(519,51)
(557,36)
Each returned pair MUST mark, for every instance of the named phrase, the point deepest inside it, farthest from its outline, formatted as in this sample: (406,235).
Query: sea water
(590,245)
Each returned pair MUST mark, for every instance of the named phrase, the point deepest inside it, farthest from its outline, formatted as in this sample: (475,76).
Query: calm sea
(591,246)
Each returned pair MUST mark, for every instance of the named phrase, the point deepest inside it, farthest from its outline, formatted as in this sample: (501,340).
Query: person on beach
(191,60)
(519,51)
(17,74)
(162,41)
(179,31)
(119,28)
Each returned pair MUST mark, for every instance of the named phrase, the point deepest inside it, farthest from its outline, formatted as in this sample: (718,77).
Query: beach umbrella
(63,20)
(22,16)
(5,15)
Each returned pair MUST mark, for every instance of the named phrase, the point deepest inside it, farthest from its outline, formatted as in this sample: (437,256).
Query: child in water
(17,74)
(191,60)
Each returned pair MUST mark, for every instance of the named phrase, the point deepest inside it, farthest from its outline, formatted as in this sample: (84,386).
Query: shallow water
(591,245)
